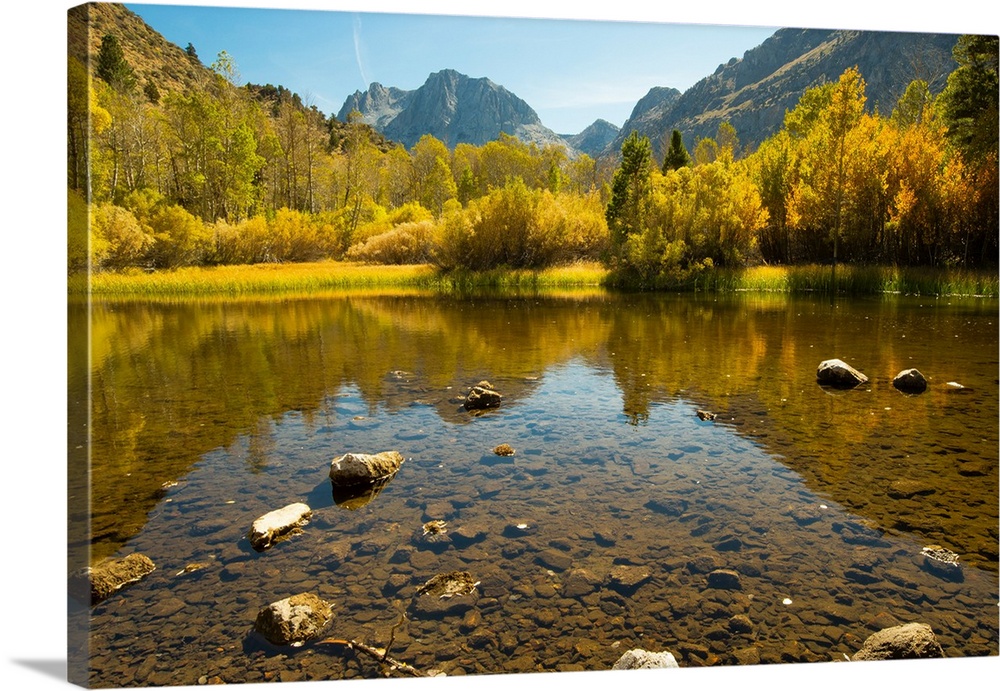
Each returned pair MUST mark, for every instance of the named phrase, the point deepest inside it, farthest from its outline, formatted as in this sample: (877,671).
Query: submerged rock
(905,488)
(482,396)
(942,562)
(906,642)
(353,469)
(446,585)
(637,658)
(294,620)
(277,524)
(724,579)
(910,381)
(97,583)
(839,374)
(626,579)
(433,535)
(579,582)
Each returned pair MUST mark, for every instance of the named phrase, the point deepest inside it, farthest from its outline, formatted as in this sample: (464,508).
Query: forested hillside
(171,163)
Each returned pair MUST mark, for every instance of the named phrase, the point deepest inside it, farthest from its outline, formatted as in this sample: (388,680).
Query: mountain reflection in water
(243,404)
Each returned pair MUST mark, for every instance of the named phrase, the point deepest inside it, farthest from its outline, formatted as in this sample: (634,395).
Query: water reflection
(786,529)
(173,381)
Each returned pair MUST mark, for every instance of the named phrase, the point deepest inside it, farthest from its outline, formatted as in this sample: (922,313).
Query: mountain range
(752,93)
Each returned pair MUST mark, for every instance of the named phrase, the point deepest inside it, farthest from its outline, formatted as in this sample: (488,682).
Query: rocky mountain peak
(452,107)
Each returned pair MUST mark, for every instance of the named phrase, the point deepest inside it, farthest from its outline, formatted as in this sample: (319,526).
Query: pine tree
(677,156)
(969,101)
(112,67)
(631,191)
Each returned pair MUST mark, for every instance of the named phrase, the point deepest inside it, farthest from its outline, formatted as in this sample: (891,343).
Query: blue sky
(573,62)
(571,71)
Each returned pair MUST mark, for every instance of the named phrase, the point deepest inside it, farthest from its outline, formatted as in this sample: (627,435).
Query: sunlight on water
(778,532)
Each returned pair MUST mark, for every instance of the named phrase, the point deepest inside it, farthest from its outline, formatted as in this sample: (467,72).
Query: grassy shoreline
(321,277)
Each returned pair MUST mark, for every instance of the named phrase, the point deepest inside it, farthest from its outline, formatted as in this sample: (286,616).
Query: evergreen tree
(677,156)
(631,192)
(969,101)
(152,93)
(112,66)
(191,52)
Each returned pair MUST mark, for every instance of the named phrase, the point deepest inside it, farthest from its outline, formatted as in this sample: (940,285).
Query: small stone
(554,559)
(668,505)
(627,578)
(729,543)
(503,450)
(740,623)
(446,585)
(465,535)
(724,579)
(705,563)
(747,656)
(278,524)
(910,381)
(580,582)
(97,583)
(904,489)
(942,562)
(637,658)
(605,537)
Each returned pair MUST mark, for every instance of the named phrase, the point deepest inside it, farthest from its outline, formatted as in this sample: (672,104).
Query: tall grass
(854,280)
(315,277)
(255,279)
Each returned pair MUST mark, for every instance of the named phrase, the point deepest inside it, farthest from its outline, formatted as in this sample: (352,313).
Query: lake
(596,536)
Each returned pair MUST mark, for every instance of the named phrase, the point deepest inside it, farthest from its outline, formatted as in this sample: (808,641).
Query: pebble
(725,579)
(554,559)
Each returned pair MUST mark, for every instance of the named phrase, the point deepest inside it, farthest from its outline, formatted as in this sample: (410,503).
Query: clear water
(206,415)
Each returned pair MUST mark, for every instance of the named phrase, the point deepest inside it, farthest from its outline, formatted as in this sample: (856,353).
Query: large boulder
(905,642)
(97,583)
(364,468)
(637,658)
(277,524)
(294,620)
(910,381)
(839,374)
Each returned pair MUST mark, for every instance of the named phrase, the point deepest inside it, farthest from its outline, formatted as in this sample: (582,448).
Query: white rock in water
(272,525)
(364,468)
(637,658)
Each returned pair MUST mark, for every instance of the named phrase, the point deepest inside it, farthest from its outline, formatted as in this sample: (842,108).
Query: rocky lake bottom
(601,533)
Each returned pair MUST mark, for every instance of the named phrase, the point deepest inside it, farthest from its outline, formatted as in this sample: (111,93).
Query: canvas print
(411,345)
